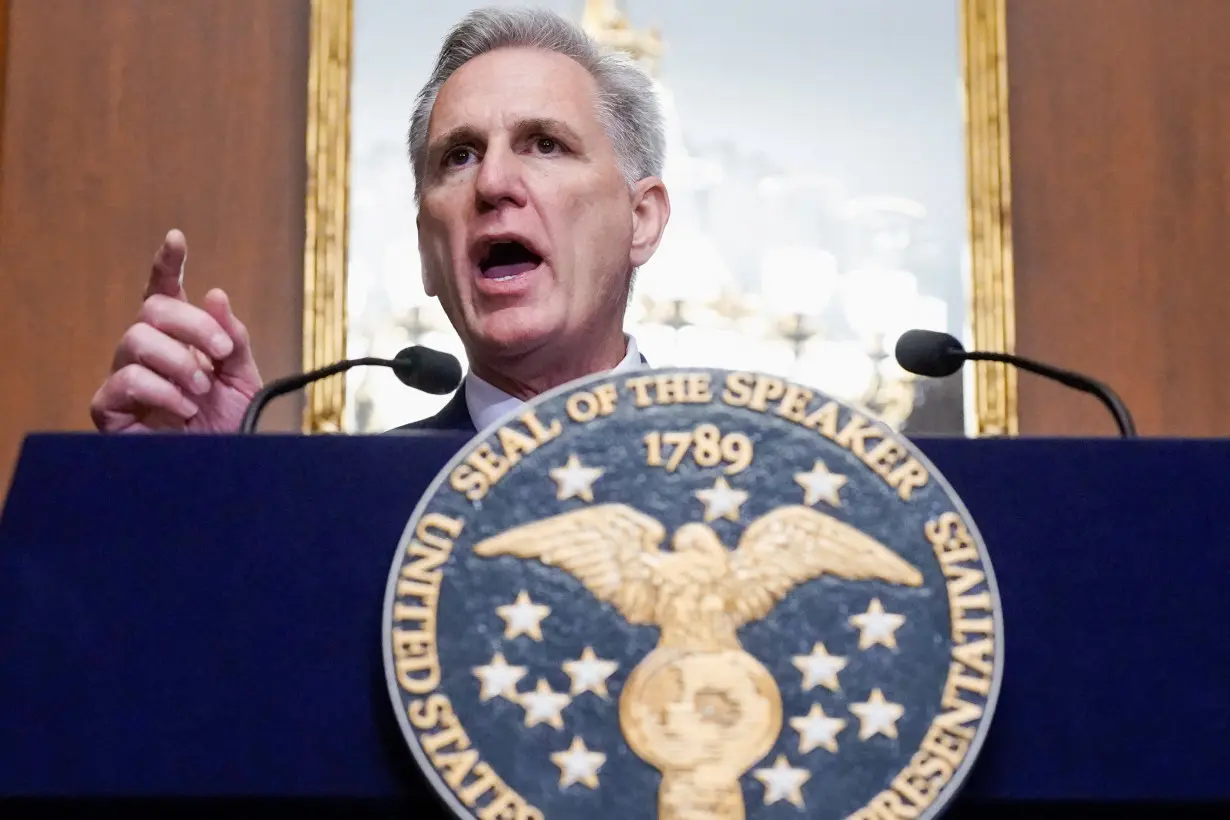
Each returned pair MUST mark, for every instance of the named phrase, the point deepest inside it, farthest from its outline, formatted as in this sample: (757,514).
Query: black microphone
(422,368)
(931,353)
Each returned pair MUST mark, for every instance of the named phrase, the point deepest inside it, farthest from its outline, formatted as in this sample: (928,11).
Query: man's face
(527,229)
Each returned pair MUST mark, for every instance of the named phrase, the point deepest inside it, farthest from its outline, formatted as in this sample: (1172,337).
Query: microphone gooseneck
(422,368)
(931,353)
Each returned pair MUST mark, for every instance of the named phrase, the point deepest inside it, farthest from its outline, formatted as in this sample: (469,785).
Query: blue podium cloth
(200,616)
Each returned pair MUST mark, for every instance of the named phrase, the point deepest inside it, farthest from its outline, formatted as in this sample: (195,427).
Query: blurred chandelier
(809,316)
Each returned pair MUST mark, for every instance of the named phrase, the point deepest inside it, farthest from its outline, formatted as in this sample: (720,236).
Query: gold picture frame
(328,195)
(984,69)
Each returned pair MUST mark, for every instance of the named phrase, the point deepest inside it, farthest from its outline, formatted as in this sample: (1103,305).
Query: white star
(721,501)
(877,626)
(820,668)
(523,617)
(544,705)
(575,480)
(820,484)
(783,782)
(578,765)
(589,674)
(817,730)
(877,715)
(499,679)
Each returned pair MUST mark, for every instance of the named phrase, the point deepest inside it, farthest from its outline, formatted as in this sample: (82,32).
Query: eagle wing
(611,548)
(792,545)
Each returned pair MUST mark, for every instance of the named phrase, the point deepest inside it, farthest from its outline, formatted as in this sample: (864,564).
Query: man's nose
(499,181)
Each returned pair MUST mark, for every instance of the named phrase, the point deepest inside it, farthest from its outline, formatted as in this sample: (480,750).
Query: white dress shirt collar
(488,403)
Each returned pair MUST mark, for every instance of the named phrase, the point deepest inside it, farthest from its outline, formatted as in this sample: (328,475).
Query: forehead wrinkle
(516,76)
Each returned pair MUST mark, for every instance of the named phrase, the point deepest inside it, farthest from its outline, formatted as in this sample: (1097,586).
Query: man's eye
(546,145)
(458,156)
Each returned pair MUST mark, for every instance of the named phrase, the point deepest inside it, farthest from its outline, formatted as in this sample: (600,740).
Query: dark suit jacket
(455,415)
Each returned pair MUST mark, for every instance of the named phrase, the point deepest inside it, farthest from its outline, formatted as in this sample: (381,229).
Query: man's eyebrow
(457,136)
(549,126)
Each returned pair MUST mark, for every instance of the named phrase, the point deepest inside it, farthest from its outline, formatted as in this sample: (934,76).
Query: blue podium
(190,617)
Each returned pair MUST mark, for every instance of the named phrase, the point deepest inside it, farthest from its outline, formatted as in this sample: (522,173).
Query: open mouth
(507,259)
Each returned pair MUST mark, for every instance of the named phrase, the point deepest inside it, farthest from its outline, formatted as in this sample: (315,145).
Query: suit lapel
(455,415)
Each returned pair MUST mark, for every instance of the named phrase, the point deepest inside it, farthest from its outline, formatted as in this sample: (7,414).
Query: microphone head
(431,371)
(930,353)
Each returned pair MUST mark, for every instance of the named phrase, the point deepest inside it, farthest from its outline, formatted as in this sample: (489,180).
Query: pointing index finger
(166,275)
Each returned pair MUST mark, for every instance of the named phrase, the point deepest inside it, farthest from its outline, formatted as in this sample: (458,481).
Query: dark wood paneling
(123,119)
(4,41)
(1120,117)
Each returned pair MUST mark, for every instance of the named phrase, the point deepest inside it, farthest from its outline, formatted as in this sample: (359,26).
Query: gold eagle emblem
(699,708)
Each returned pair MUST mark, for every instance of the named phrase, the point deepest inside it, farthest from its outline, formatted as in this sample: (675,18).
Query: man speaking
(537,161)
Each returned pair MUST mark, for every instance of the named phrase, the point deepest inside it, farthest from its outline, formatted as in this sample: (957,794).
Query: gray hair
(628,108)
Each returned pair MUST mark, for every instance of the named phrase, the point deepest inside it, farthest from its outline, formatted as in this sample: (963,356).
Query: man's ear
(428,286)
(651,209)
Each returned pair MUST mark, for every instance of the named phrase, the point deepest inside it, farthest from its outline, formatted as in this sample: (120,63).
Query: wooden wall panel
(1120,130)
(123,119)
(4,40)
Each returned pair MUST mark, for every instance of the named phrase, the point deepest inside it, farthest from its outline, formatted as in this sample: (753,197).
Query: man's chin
(509,337)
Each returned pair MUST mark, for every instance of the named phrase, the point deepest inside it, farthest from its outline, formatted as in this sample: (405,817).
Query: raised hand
(179,367)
